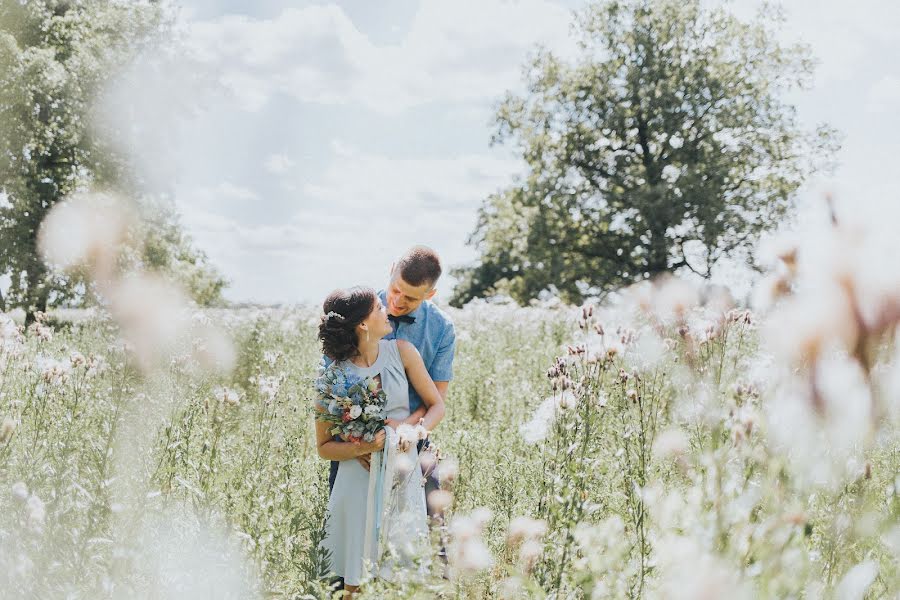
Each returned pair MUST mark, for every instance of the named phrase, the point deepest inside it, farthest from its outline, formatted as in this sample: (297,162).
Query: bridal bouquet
(355,405)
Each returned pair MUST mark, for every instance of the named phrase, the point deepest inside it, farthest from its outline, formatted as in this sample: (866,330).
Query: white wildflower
(53,371)
(41,332)
(538,427)
(227,396)
(526,528)
(6,430)
(20,491)
(95,365)
(36,511)
(467,551)
(857,581)
(86,229)
(268,387)
(271,357)
(439,500)
(447,469)
(671,442)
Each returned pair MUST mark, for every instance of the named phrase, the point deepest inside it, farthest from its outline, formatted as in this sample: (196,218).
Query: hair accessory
(335,315)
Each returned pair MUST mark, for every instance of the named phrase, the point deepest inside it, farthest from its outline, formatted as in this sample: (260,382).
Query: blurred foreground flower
(467,551)
(85,231)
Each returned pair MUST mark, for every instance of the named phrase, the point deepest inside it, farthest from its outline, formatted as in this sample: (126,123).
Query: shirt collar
(416,314)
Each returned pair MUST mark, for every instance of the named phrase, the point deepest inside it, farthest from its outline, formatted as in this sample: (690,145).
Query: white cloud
(350,228)
(278,164)
(462,51)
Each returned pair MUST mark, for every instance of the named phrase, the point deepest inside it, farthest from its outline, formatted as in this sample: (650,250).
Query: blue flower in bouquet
(353,405)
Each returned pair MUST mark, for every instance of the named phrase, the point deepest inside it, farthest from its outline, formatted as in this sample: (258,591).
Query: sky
(307,144)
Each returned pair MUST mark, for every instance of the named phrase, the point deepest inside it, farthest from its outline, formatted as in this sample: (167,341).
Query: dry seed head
(439,501)
(20,491)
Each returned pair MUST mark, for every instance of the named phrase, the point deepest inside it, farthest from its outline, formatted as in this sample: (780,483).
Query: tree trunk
(38,292)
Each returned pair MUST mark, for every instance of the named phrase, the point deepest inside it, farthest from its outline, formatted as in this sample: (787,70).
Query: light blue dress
(345,528)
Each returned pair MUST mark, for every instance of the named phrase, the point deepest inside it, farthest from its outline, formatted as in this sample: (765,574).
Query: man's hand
(365,460)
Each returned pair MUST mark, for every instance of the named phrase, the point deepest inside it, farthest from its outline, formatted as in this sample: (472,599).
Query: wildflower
(404,464)
(671,442)
(567,400)
(673,299)
(529,553)
(85,229)
(36,511)
(857,581)
(41,332)
(448,469)
(150,311)
(77,359)
(525,528)
(538,427)
(95,365)
(439,500)
(269,386)
(20,491)
(53,371)
(467,551)
(409,434)
(6,430)
(511,588)
(270,357)
(227,396)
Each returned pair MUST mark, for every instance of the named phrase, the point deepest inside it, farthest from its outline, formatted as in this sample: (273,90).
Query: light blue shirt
(433,336)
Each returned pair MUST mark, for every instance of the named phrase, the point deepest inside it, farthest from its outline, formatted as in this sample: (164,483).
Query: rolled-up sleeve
(442,365)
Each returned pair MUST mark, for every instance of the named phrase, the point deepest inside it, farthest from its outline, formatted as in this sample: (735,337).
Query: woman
(351,332)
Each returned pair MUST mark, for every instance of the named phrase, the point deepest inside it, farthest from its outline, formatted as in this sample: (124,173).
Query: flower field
(666,445)
(641,478)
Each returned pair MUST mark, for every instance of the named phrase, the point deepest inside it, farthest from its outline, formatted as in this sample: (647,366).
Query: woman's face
(376,323)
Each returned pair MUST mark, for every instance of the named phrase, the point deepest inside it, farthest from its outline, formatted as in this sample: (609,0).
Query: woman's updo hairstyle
(344,309)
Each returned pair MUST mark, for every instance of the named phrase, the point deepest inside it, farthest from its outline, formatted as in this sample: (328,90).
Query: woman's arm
(331,449)
(422,383)
(416,416)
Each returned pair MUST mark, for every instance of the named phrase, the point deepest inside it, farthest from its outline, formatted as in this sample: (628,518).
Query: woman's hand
(376,444)
(393,423)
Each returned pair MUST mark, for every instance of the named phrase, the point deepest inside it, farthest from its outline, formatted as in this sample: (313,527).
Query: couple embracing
(388,365)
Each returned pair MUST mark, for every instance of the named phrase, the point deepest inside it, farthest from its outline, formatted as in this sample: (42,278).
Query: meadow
(661,447)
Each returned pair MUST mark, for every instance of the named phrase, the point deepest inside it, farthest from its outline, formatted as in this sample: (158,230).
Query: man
(416,319)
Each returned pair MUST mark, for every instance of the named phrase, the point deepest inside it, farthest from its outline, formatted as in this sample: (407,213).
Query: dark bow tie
(401,319)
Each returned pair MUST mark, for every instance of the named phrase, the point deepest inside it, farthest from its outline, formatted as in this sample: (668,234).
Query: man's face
(403,298)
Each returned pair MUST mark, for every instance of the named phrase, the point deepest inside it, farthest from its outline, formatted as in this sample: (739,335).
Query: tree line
(56,59)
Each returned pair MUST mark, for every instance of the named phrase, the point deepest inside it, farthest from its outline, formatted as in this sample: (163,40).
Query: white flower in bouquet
(355,411)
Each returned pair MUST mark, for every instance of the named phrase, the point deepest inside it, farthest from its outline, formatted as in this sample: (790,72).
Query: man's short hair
(419,265)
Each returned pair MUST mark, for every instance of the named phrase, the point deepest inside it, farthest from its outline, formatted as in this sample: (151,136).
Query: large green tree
(667,145)
(56,59)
